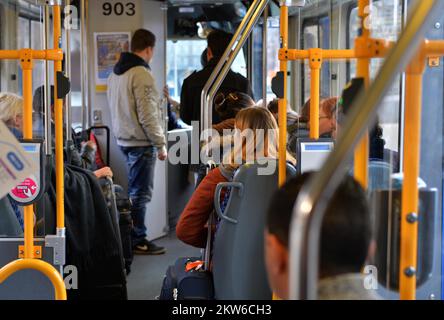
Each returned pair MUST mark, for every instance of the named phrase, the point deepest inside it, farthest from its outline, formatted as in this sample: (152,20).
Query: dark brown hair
(142,39)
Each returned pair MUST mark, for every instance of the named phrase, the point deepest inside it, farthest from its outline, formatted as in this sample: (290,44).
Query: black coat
(92,237)
(194,84)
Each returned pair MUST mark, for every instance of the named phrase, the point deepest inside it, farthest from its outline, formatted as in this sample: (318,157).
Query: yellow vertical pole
(26,62)
(363,71)
(315,62)
(410,194)
(58,111)
(283,102)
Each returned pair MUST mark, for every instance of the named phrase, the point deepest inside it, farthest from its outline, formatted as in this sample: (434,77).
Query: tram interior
(181,28)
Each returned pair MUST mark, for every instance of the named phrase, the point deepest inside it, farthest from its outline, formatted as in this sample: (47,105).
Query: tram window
(316,34)
(184,58)
(273,53)
(29,36)
(386,23)
(273,45)
(24,33)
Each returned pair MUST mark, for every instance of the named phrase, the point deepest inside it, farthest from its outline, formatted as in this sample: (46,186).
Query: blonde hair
(262,141)
(11,107)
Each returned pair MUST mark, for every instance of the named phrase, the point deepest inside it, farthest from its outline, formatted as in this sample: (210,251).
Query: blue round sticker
(15,161)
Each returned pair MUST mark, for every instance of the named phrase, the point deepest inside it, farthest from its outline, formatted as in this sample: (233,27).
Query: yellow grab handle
(48,270)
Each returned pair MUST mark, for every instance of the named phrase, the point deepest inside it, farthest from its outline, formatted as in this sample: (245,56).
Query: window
(316,34)
(386,23)
(273,46)
(184,57)
(29,36)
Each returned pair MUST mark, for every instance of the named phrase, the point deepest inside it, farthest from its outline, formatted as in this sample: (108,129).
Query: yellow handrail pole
(294,54)
(434,48)
(58,111)
(26,63)
(283,102)
(315,63)
(36,54)
(49,271)
(362,71)
(410,194)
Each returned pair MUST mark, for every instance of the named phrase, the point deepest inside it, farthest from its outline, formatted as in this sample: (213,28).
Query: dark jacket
(194,84)
(92,237)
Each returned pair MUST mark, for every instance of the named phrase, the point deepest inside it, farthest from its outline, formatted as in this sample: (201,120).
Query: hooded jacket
(135,104)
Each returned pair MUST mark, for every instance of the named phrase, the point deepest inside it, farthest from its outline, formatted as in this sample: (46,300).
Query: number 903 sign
(119,9)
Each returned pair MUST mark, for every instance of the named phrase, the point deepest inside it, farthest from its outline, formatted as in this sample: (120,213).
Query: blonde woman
(11,112)
(257,137)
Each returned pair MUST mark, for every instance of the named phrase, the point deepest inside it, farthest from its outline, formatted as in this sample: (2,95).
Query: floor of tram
(147,272)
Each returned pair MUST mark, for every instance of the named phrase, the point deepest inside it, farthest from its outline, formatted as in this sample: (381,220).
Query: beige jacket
(135,109)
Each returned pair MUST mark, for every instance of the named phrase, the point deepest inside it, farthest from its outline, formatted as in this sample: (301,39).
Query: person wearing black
(192,87)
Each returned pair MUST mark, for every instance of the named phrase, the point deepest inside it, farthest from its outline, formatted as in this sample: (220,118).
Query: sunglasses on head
(221,98)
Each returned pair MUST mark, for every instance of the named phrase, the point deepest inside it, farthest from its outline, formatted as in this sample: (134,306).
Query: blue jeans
(141,162)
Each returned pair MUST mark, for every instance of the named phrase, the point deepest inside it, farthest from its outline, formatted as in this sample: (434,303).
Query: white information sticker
(15,164)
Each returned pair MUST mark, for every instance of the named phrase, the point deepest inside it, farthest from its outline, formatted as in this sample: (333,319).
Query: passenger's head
(345,234)
(273,107)
(256,136)
(38,102)
(218,42)
(204,58)
(228,105)
(11,110)
(327,107)
(143,43)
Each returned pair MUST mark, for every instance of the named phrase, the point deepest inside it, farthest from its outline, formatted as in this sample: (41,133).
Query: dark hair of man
(204,58)
(218,42)
(228,105)
(346,228)
(273,106)
(142,39)
(38,101)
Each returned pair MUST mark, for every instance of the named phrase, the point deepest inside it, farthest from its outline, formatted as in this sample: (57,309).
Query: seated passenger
(11,112)
(191,227)
(292,124)
(327,123)
(79,155)
(344,247)
(228,106)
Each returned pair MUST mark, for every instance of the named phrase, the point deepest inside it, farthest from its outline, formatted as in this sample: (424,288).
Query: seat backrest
(379,175)
(9,224)
(238,256)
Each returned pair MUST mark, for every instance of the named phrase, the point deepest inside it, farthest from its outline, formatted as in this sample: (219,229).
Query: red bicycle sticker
(25,190)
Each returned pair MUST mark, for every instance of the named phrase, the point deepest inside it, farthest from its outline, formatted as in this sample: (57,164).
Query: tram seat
(379,175)
(9,224)
(238,258)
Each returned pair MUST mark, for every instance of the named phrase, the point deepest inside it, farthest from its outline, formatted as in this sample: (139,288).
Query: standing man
(192,87)
(135,112)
